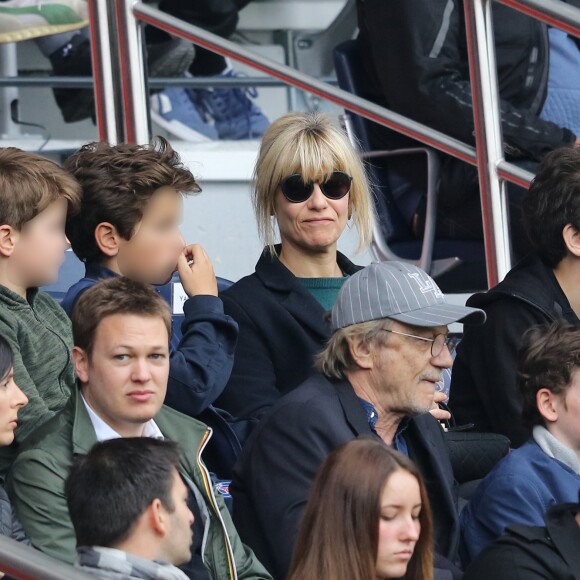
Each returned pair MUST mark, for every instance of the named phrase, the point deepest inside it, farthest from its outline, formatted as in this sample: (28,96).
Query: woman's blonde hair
(307,143)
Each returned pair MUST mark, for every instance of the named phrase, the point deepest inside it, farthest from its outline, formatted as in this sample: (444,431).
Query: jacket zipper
(209,491)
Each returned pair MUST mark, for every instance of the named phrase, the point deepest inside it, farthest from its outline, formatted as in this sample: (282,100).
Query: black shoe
(171,58)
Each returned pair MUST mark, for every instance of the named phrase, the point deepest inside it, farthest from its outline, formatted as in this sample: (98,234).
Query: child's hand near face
(196,272)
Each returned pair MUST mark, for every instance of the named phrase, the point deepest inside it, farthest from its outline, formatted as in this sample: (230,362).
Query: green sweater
(324,290)
(40,335)
(36,488)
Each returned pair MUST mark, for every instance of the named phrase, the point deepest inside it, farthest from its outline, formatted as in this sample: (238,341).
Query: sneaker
(236,117)
(175,111)
(26,19)
(170,58)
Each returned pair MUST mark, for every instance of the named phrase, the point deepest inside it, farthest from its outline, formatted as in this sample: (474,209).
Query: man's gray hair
(336,358)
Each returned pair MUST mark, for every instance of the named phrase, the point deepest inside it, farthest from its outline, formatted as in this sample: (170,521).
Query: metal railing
(130,91)
(26,563)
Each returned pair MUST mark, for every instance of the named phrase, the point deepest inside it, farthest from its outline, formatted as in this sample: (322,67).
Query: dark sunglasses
(296,191)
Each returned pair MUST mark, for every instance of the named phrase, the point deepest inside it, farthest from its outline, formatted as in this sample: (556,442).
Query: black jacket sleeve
(420,61)
(201,364)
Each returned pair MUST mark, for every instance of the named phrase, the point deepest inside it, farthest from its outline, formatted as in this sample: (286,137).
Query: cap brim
(441,315)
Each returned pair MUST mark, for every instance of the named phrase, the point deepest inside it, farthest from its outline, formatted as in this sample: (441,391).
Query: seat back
(350,76)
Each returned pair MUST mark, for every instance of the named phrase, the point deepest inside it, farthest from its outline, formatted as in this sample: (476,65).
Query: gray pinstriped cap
(399,291)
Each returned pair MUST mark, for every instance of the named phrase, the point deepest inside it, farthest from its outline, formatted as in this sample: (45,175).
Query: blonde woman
(309,186)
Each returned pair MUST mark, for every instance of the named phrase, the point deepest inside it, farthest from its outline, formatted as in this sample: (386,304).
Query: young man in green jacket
(121,331)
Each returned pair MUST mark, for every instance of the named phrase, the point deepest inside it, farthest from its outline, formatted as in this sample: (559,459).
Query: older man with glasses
(377,378)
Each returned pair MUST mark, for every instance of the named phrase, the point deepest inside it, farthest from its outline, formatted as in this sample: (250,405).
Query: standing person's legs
(217,16)
(189,113)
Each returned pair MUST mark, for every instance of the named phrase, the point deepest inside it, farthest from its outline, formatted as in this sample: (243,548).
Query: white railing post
(133,69)
(105,71)
(488,137)
(8,95)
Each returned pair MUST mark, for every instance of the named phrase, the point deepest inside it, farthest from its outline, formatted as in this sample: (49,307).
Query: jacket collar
(95,271)
(291,294)
(562,527)
(353,410)
(357,420)
(15,300)
(531,281)
(83,432)
(172,424)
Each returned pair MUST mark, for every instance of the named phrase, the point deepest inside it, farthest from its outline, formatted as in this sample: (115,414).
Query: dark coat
(273,476)
(282,328)
(484,386)
(534,553)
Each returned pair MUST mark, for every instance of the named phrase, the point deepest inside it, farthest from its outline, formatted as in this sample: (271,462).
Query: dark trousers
(217,16)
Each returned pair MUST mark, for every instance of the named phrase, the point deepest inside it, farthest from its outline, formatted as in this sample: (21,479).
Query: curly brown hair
(117,183)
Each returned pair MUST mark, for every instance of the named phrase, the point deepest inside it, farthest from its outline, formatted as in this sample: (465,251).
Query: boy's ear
(8,238)
(107,239)
(547,405)
(572,239)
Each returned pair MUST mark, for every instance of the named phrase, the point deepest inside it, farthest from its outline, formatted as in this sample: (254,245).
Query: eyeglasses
(437,343)
(296,191)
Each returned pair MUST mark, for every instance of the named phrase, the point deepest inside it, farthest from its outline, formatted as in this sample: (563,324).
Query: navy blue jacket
(282,328)
(273,476)
(202,348)
(519,490)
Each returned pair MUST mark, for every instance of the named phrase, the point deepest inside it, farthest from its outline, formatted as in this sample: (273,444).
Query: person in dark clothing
(533,552)
(129,225)
(377,378)
(310,179)
(539,290)
(416,64)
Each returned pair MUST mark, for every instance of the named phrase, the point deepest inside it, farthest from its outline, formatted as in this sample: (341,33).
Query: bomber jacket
(484,388)
(40,336)
(36,486)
